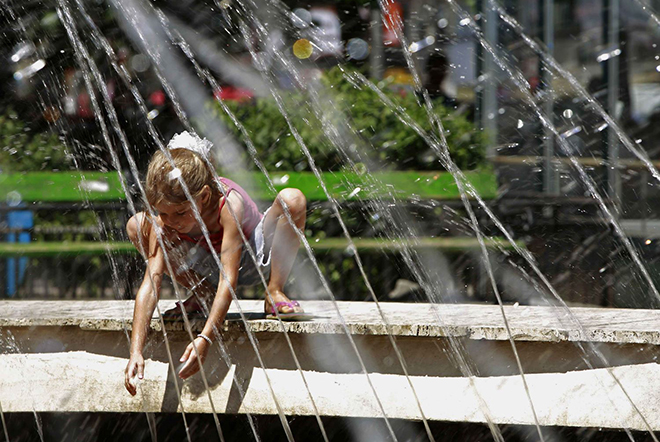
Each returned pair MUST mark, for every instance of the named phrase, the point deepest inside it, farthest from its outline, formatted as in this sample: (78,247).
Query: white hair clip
(174,174)
(186,140)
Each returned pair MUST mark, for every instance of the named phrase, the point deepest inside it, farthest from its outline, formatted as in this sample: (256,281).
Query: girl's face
(179,217)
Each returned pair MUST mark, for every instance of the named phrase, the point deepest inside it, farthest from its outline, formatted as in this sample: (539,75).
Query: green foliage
(268,130)
(390,142)
(22,150)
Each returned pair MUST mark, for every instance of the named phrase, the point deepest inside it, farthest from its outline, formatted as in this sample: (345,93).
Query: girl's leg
(282,240)
(143,237)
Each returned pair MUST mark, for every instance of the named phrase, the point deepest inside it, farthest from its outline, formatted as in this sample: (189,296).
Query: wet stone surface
(526,323)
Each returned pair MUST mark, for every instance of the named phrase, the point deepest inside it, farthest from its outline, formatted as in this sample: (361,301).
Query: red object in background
(84,106)
(83,100)
(534,83)
(392,20)
(231,93)
(157,98)
(52,114)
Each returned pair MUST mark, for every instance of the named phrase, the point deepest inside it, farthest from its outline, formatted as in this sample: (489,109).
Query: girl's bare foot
(282,303)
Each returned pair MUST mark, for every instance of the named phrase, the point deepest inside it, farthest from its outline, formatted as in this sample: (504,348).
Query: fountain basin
(69,356)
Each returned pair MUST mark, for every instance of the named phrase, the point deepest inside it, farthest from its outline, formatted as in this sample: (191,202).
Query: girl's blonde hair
(162,179)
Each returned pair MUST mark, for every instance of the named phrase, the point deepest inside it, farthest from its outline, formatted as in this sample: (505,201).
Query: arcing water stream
(140,19)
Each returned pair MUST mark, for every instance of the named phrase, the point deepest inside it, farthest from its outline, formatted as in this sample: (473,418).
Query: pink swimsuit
(251,217)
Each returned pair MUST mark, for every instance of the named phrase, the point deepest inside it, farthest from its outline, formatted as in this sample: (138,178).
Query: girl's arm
(145,304)
(230,258)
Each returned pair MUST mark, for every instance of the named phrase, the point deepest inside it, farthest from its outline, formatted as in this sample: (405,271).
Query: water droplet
(284,179)
(603,57)
(464,22)
(520,124)
(442,23)
(303,49)
(301,18)
(14,198)
(568,113)
(140,63)
(354,192)
(94,186)
(357,49)
(647,242)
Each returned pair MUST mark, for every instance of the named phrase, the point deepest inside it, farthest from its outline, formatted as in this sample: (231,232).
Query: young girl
(226,210)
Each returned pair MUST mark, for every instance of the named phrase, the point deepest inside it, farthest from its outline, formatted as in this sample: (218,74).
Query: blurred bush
(22,150)
(391,143)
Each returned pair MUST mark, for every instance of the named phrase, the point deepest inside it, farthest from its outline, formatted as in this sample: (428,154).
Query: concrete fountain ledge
(76,351)
(474,321)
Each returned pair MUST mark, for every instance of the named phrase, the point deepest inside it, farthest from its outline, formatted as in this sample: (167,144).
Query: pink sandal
(291,316)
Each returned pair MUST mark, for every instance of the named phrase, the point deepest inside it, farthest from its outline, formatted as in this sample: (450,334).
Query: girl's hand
(192,365)
(135,367)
